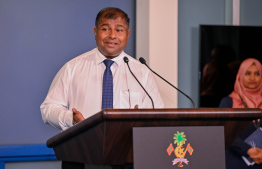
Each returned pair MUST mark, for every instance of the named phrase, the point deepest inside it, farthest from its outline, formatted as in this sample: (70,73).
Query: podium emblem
(179,150)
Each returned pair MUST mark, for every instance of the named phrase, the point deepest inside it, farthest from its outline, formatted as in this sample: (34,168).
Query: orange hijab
(252,97)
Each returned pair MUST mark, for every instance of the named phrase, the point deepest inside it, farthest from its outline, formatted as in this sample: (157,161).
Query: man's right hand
(77,116)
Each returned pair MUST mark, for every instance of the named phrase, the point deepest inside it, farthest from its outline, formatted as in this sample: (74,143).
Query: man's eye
(105,29)
(119,30)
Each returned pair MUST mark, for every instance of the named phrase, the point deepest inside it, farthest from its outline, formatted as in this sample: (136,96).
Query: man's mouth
(111,44)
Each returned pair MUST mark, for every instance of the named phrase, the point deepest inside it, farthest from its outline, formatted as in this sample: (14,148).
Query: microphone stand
(126,60)
(143,61)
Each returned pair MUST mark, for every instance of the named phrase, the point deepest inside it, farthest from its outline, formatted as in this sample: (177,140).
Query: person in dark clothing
(247,94)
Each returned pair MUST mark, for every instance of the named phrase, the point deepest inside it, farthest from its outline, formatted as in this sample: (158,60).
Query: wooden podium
(106,137)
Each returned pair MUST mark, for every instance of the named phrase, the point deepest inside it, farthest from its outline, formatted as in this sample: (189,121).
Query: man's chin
(111,55)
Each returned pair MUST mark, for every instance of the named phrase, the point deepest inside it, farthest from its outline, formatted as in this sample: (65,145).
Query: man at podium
(100,78)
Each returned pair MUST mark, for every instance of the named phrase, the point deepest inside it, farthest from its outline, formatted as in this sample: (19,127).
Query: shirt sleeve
(239,146)
(226,102)
(153,91)
(54,109)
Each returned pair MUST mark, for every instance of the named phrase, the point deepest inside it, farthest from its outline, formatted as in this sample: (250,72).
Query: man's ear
(95,31)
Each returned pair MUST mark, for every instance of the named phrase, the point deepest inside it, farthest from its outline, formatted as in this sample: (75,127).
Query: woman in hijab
(247,94)
(248,87)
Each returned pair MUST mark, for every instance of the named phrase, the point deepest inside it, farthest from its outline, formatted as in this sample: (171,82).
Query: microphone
(126,60)
(143,61)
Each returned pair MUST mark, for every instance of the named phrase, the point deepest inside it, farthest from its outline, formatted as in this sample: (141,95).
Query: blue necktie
(107,93)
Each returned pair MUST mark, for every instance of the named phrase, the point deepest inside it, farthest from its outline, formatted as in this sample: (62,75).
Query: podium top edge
(154,114)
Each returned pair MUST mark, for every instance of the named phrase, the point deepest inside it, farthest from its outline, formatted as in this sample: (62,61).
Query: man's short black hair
(111,13)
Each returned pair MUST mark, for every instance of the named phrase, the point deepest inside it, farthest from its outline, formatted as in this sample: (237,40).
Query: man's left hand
(77,116)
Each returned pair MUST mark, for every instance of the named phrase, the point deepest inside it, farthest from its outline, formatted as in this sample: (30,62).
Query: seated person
(247,94)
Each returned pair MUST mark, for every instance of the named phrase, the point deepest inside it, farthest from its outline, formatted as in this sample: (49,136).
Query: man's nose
(112,35)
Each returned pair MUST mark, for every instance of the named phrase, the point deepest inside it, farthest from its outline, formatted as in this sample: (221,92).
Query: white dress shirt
(78,84)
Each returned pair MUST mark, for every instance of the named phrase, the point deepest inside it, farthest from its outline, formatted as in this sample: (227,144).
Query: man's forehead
(119,21)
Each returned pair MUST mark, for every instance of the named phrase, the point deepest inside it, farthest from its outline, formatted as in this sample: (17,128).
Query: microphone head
(142,60)
(126,60)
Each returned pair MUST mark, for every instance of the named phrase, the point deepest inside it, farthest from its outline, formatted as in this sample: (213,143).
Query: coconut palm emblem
(179,151)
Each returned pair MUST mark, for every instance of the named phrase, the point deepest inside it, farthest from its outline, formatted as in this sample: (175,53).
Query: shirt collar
(100,58)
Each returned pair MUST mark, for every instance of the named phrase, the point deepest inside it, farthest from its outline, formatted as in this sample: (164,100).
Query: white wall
(157,42)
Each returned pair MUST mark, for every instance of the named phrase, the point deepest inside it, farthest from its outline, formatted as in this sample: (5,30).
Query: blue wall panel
(37,37)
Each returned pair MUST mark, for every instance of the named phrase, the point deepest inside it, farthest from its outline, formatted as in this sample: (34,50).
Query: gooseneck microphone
(126,60)
(143,61)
